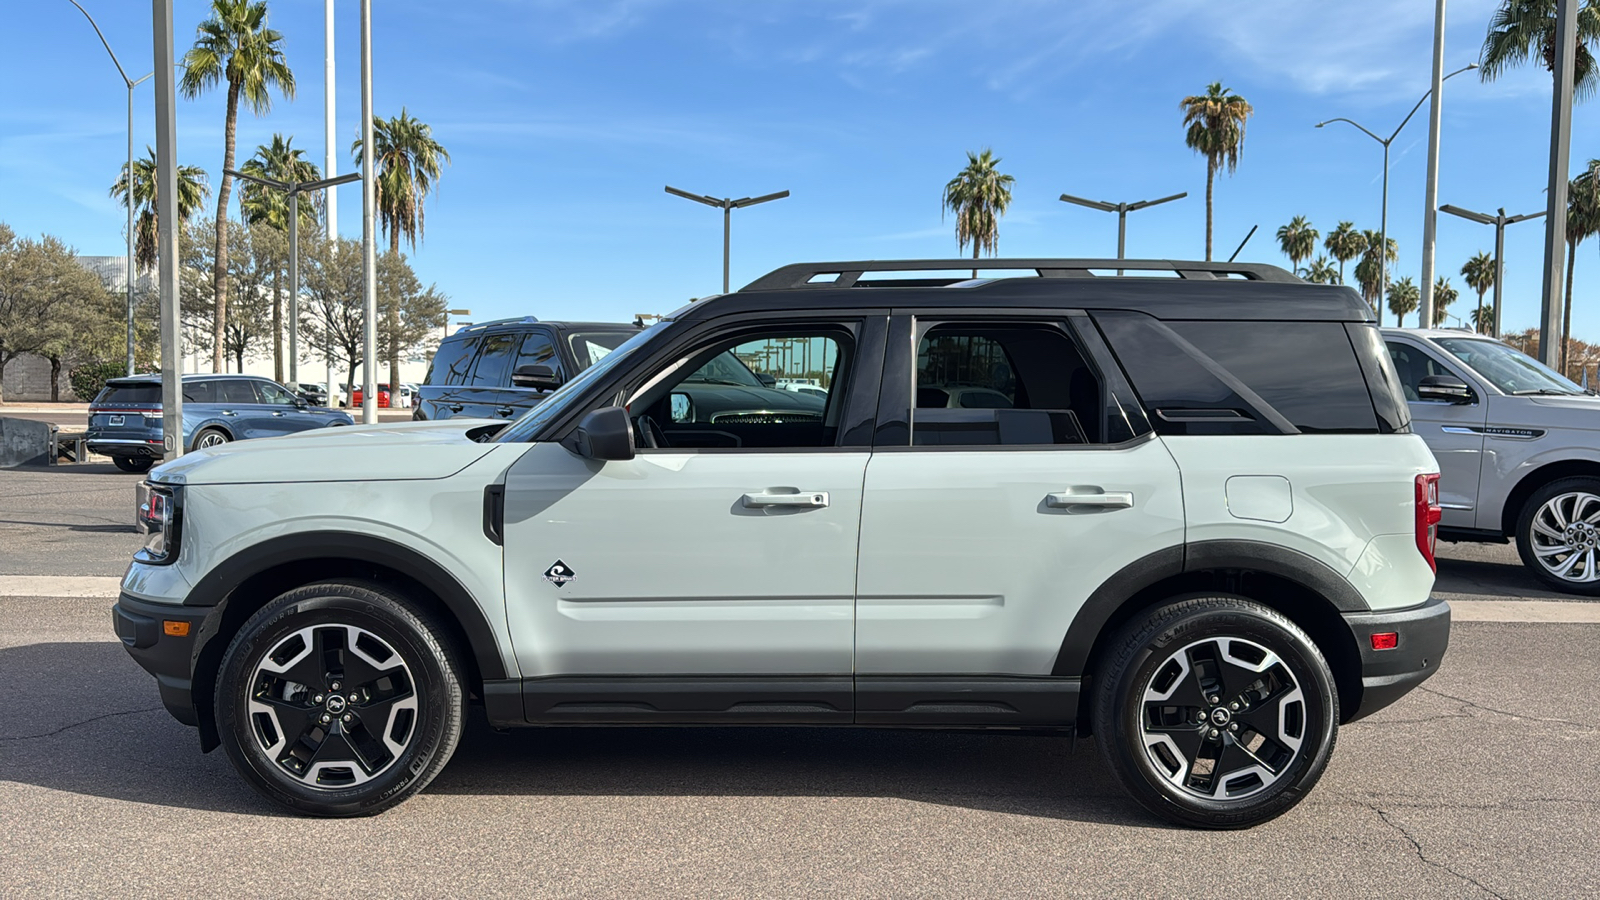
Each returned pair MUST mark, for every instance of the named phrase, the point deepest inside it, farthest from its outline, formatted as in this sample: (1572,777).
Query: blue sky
(565,119)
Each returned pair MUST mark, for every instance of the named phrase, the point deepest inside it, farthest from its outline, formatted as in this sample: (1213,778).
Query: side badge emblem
(559,574)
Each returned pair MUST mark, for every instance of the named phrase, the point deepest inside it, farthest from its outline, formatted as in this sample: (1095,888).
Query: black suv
(503,368)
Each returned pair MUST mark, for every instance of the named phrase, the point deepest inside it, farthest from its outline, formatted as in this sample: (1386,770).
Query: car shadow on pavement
(83,718)
(1493,581)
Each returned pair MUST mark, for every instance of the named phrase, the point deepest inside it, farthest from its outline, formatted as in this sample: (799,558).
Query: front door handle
(808,499)
(278,414)
(503,410)
(454,407)
(1095,498)
(229,412)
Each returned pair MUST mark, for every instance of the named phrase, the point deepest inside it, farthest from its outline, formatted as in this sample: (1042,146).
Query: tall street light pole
(1122,210)
(1555,227)
(294,189)
(369,258)
(1383,227)
(727,206)
(167,228)
(131,83)
(1431,186)
(1500,220)
(330,162)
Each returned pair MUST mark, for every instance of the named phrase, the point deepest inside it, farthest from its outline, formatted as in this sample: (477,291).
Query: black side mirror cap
(604,434)
(538,376)
(1445,388)
(767,379)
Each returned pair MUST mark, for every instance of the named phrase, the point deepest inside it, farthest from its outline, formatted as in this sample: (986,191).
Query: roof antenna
(1243,242)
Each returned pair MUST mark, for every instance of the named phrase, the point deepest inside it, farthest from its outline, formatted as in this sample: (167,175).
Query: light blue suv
(125,418)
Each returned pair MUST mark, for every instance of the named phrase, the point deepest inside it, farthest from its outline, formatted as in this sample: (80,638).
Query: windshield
(535,418)
(724,368)
(589,347)
(1507,368)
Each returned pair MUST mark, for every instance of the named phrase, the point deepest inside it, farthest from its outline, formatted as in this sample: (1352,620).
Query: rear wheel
(1558,535)
(339,699)
(211,437)
(135,464)
(1215,712)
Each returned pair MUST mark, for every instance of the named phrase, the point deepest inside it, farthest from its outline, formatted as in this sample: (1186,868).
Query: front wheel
(339,699)
(1215,712)
(1558,535)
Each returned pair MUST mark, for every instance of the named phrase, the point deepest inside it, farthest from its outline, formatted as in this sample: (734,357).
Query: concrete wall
(28,379)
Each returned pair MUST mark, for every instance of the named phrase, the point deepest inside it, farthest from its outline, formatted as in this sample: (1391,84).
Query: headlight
(161,518)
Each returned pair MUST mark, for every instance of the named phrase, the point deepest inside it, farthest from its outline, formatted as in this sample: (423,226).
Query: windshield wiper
(1549,392)
(717,381)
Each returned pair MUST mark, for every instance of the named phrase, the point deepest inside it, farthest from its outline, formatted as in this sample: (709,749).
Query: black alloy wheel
(339,699)
(1215,712)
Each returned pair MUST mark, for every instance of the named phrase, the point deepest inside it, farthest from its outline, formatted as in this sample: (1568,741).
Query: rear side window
(451,361)
(494,362)
(1185,391)
(144,392)
(1307,371)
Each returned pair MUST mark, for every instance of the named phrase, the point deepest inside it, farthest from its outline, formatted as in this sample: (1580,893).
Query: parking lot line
(71,586)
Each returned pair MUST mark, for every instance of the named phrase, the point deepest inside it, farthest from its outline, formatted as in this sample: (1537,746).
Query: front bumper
(1388,675)
(144,629)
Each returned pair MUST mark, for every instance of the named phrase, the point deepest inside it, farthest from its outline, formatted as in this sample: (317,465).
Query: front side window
(537,350)
(1508,368)
(1412,364)
(734,394)
(1005,384)
(274,395)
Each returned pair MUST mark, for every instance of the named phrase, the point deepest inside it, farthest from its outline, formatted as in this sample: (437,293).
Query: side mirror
(766,379)
(300,403)
(537,376)
(606,433)
(682,408)
(1445,388)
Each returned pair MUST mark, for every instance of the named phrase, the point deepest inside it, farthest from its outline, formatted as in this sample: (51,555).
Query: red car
(383,396)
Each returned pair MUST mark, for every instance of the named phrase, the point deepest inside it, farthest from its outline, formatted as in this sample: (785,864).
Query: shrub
(89,378)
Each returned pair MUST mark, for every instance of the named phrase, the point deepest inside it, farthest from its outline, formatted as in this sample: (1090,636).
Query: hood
(398,451)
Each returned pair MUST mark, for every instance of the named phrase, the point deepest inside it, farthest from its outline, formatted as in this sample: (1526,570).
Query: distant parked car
(802,387)
(502,369)
(959,396)
(125,417)
(313,393)
(358,396)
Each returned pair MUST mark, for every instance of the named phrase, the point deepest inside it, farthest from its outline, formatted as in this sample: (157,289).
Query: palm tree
(978,196)
(1444,294)
(234,46)
(407,161)
(1321,271)
(1583,220)
(1520,29)
(1403,298)
(1369,272)
(1298,241)
(1479,272)
(192,191)
(1483,319)
(262,205)
(1216,121)
(1345,243)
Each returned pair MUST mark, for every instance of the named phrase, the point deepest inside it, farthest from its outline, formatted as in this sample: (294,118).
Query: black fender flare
(227,576)
(1122,587)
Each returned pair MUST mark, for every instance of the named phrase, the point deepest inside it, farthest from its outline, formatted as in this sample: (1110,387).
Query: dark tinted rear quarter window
(1179,388)
(451,361)
(1307,371)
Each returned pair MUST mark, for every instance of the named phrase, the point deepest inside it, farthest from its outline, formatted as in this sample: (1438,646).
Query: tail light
(1428,514)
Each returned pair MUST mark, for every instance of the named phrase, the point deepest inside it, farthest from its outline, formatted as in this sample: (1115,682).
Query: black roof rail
(848,274)
(479,326)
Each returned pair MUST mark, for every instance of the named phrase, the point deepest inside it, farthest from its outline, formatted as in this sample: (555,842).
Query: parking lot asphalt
(1480,784)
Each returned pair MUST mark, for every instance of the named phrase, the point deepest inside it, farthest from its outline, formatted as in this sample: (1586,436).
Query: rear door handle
(1098,499)
(769,498)
(503,410)
(454,407)
(278,414)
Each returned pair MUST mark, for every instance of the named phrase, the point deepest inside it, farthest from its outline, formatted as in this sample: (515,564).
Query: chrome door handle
(1101,499)
(278,414)
(810,499)
(229,412)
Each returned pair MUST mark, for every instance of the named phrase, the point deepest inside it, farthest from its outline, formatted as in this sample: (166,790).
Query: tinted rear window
(1307,371)
(145,392)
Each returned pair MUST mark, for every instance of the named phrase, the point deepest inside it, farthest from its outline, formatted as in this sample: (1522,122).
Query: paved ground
(1481,784)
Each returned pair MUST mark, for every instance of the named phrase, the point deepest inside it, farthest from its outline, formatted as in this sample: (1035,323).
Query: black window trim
(896,419)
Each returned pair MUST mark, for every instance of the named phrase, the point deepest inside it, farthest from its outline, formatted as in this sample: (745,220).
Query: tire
(1555,517)
(138,465)
(211,437)
(1160,753)
(306,744)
